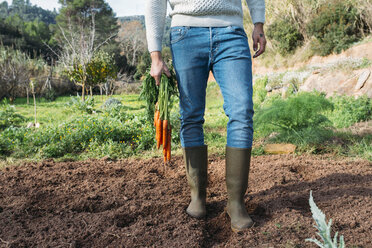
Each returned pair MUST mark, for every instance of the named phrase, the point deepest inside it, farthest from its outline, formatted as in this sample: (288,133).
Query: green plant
(286,35)
(336,26)
(8,116)
(296,113)
(50,95)
(149,93)
(348,110)
(86,106)
(111,102)
(324,229)
(100,69)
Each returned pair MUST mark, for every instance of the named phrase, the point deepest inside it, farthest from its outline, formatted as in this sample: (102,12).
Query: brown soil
(134,203)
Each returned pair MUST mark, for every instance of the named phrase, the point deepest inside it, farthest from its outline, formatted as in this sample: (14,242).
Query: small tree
(79,41)
(101,69)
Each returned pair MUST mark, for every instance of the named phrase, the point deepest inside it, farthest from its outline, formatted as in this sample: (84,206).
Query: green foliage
(296,113)
(145,62)
(86,106)
(77,14)
(28,36)
(311,139)
(336,26)
(149,93)
(348,110)
(259,90)
(111,103)
(27,11)
(100,69)
(100,135)
(8,116)
(324,229)
(286,35)
(50,95)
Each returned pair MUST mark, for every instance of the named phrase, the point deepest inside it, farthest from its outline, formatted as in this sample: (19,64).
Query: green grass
(58,111)
(55,138)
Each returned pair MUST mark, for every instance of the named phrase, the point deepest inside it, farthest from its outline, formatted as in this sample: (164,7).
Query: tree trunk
(33,93)
(91,91)
(28,96)
(83,92)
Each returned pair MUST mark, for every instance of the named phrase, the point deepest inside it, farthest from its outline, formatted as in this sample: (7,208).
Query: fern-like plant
(324,228)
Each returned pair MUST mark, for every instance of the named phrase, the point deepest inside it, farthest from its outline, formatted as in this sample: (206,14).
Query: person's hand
(158,67)
(258,37)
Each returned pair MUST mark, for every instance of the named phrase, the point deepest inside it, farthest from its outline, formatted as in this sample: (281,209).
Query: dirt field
(134,203)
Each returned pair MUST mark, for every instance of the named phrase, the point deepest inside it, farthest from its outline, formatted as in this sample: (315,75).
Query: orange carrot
(156,117)
(169,143)
(165,131)
(159,133)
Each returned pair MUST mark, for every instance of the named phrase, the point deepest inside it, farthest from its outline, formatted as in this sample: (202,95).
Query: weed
(324,229)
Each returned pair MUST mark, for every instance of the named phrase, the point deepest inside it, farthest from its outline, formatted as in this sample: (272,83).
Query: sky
(120,7)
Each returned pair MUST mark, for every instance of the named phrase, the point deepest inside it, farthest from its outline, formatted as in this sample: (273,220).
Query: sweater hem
(206,21)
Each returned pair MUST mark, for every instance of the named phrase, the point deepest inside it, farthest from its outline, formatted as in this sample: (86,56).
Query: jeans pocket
(238,30)
(178,33)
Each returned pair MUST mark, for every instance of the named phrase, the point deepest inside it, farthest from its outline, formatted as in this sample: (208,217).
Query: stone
(363,77)
(285,91)
(280,148)
(268,88)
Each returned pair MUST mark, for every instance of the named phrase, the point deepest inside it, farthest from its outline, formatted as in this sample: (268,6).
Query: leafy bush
(8,117)
(86,106)
(50,95)
(323,228)
(286,35)
(259,90)
(348,110)
(336,26)
(111,102)
(296,113)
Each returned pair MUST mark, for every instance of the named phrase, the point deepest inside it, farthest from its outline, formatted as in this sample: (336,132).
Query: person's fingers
(157,79)
(166,70)
(262,49)
(255,43)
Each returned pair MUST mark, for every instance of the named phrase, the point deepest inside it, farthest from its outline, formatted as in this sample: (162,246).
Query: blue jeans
(223,50)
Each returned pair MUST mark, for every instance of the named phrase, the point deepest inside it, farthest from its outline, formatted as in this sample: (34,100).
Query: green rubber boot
(196,162)
(237,171)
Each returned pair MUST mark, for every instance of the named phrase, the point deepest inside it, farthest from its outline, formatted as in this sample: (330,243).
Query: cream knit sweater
(197,13)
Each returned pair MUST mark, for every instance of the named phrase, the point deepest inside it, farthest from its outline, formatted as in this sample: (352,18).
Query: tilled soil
(136,203)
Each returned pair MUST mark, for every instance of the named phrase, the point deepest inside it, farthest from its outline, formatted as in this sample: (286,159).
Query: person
(208,35)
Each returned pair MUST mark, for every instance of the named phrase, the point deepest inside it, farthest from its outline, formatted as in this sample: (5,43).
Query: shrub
(336,26)
(348,110)
(8,116)
(50,95)
(286,36)
(296,113)
(86,106)
(111,102)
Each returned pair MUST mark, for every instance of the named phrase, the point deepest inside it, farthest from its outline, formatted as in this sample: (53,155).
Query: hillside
(141,19)
(347,73)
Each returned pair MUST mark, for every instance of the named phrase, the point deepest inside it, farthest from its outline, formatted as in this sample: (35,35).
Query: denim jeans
(223,50)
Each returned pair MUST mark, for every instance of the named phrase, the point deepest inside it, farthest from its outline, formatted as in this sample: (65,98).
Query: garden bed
(135,203)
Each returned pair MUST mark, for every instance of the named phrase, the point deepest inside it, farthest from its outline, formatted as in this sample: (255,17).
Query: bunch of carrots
(163,135)
(159,101)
